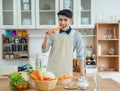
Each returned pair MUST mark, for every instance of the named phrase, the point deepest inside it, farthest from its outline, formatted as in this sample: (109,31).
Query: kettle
(83,83)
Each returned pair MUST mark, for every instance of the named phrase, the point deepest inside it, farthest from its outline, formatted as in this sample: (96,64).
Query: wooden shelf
(109,61)
(15,47)
(18,59)
(15,43)
(109,56)
(108,39)
(17,52)
(106,23)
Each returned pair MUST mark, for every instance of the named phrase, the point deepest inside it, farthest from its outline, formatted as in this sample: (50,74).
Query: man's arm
(80,52)
(82,68)
(45,43)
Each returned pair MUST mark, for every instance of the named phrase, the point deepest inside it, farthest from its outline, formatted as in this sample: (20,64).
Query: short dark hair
(66,12)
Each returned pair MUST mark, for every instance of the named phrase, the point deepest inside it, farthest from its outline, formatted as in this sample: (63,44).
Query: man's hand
(48,34)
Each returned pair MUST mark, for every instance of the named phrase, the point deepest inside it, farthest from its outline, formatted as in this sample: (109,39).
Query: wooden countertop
(106,85)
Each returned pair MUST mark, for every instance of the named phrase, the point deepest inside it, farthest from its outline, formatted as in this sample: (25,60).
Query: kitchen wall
(107,8)
(104,8)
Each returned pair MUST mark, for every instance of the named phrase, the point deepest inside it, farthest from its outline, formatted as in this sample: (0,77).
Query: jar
(24,32)
(19,33)
(83,83)
(14,33)
(7,56)
(111,51)
(11,56)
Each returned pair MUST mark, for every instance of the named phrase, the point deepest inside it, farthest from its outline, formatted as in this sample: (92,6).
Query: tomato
(19,87)
(24,86)
(47,79)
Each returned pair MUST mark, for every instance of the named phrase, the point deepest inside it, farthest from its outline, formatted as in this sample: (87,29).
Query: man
(63,43)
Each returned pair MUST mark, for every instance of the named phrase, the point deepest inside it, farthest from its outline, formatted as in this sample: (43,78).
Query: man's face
(64,21)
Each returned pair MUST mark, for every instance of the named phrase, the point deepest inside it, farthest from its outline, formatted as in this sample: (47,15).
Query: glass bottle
(97,79)
(114,32)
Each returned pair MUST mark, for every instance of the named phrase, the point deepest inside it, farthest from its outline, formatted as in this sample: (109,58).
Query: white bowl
(83,85)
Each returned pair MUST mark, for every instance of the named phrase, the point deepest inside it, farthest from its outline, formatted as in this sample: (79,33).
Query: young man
(63,43)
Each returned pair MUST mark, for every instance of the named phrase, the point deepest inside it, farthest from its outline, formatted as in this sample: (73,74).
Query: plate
(66,81)
(68,88)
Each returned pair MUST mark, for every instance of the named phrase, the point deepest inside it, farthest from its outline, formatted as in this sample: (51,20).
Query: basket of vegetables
(43,81)
(18,81)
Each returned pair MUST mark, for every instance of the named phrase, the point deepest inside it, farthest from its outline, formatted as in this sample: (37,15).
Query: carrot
(33,76)
(19,87)
(67,76)
(16,72)
(55,29)
(39,75)
(61,78)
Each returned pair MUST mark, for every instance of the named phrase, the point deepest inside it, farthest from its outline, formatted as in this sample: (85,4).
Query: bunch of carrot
(65,77)
(37,75)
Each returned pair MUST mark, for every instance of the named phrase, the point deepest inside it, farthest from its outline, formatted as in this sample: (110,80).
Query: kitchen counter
(106,85)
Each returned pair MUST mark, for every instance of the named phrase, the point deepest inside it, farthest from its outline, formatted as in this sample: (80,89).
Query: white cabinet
(85,10)
(17,14)
(26,13)
(70,4)
(8,14)
(46,13)
(33,14)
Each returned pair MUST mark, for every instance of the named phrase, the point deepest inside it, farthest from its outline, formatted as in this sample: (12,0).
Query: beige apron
(60,60)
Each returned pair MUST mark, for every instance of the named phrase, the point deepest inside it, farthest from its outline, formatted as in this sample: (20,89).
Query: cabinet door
(85,13)
(8,15)
(72,5)
(46,13)
(26,14)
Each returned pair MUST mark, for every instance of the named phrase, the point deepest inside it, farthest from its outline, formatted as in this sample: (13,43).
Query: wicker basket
(45,85)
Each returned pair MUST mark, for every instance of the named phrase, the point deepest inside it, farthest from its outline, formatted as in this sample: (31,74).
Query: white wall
(108,7)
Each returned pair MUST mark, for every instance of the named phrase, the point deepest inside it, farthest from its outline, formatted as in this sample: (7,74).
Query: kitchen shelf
(15,47)
(109,56)
(19,59)
(108,39)
(105,44)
